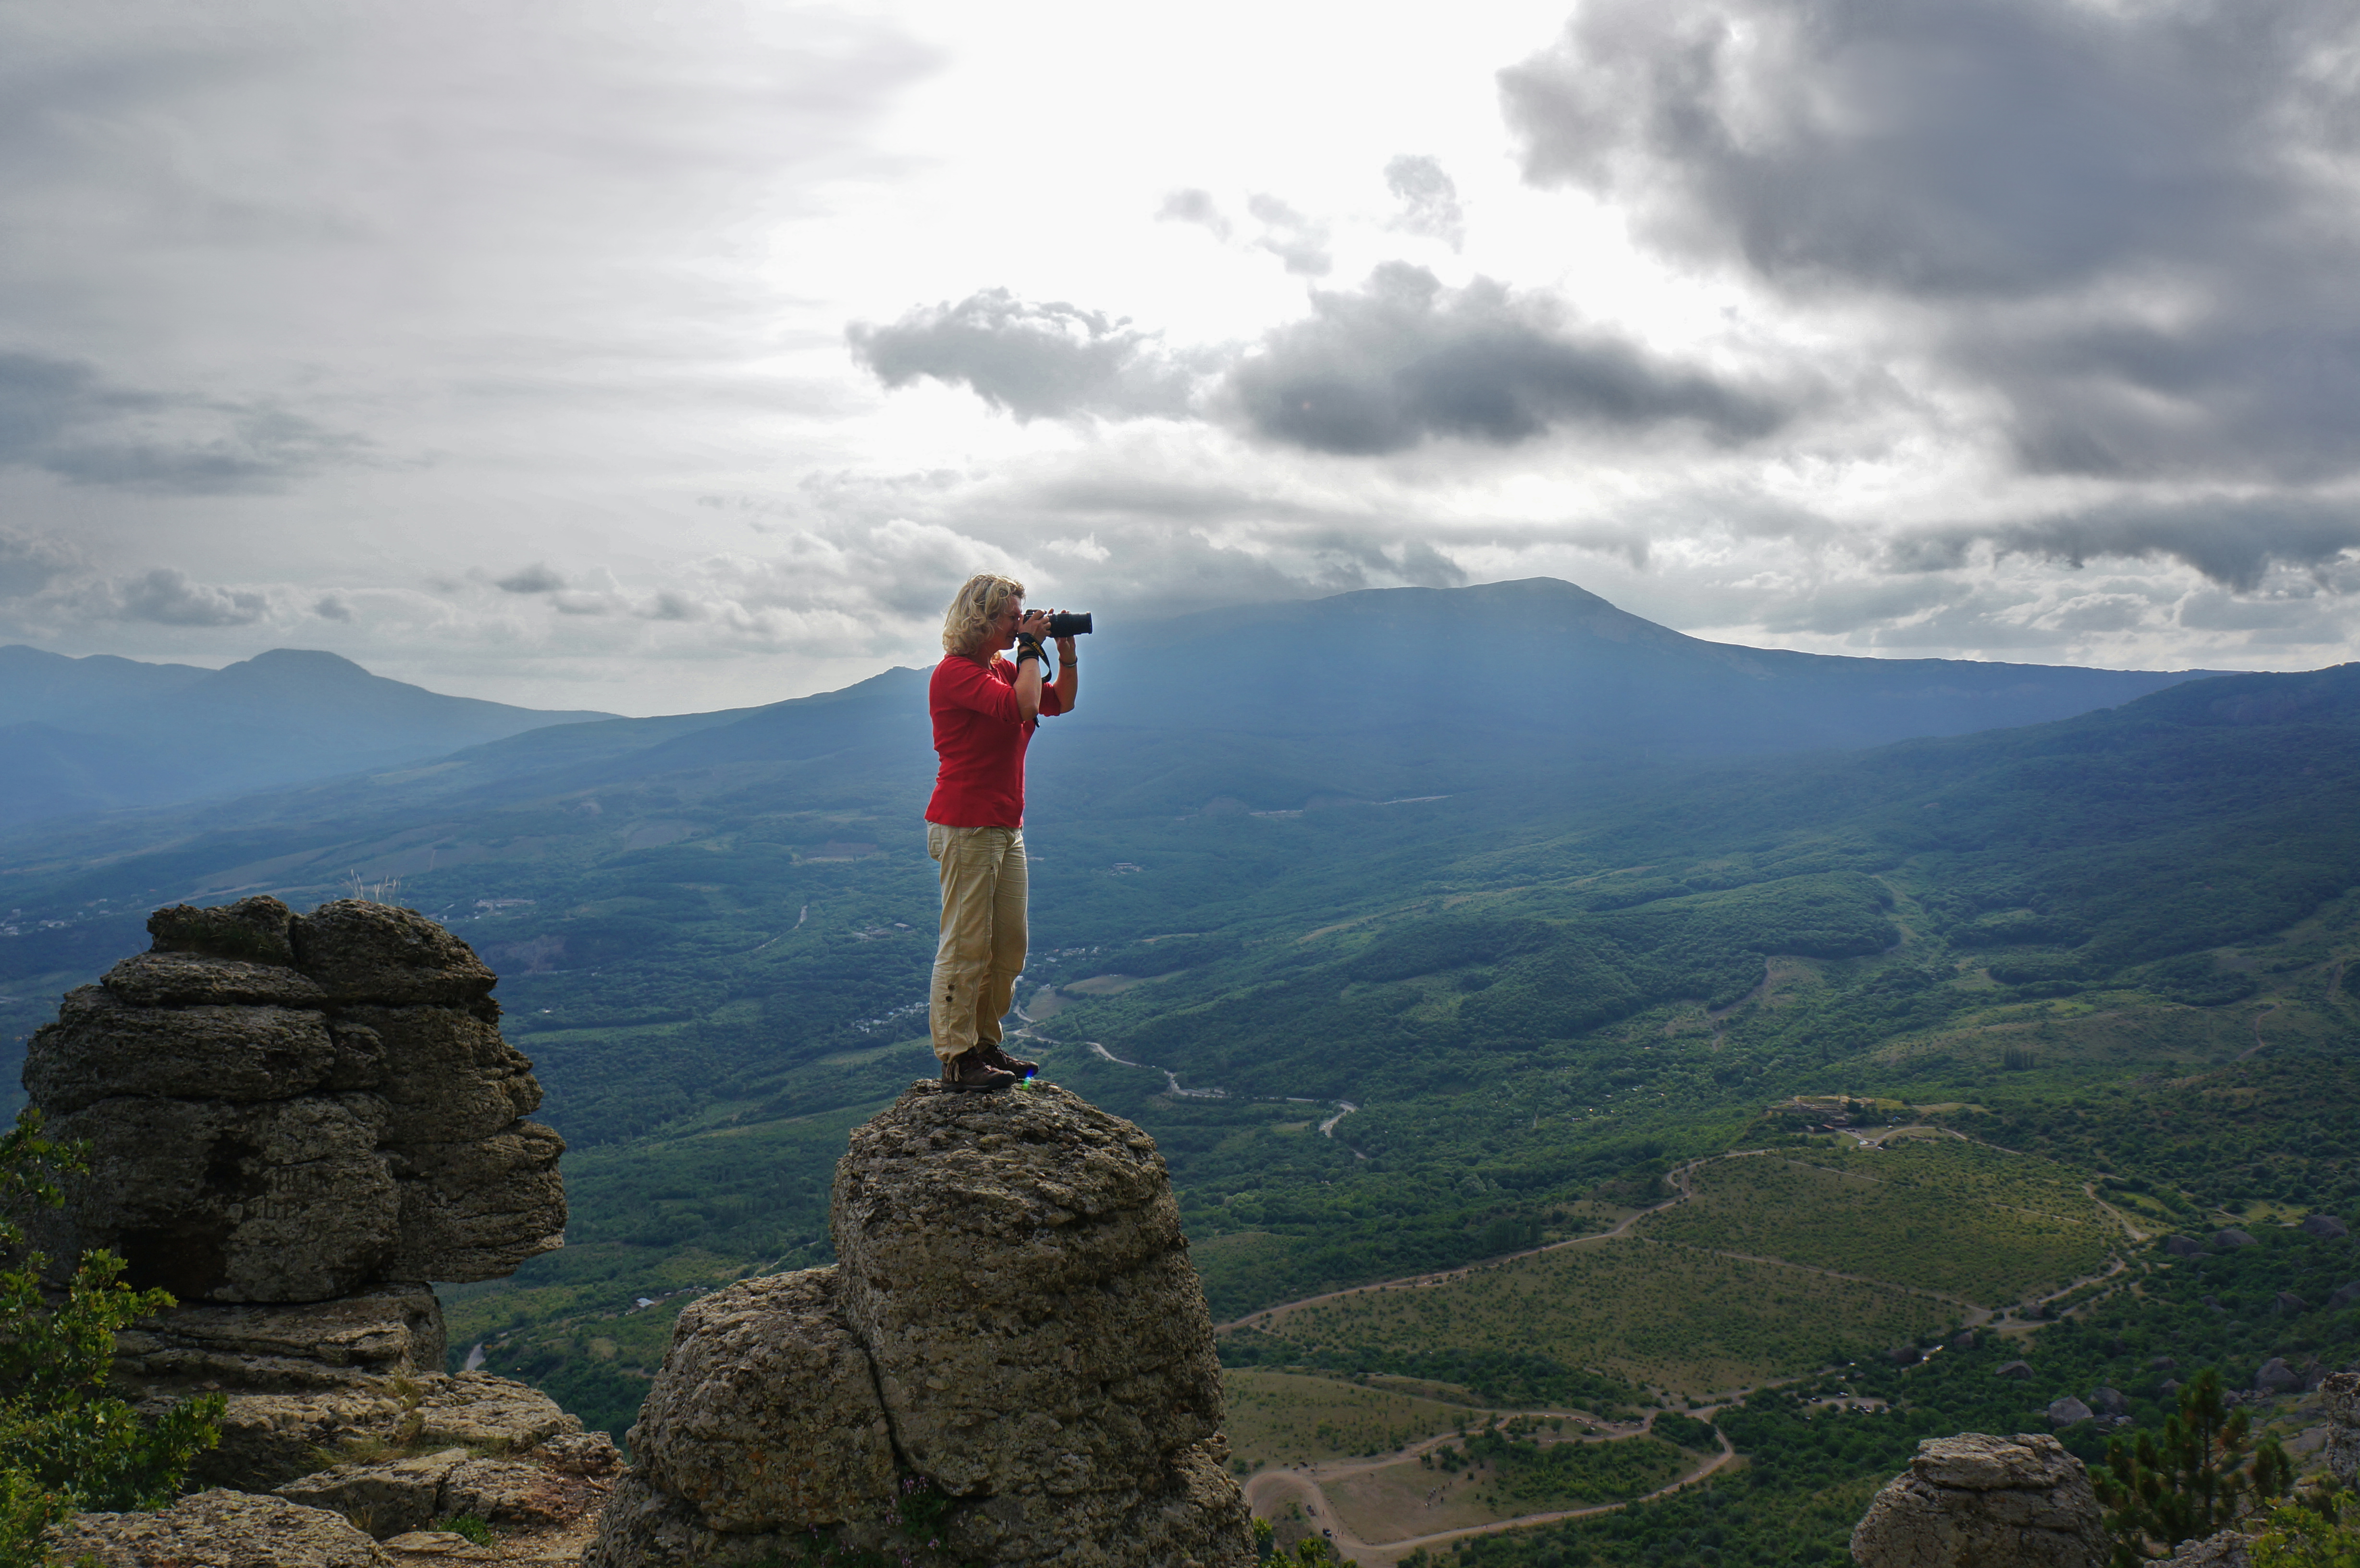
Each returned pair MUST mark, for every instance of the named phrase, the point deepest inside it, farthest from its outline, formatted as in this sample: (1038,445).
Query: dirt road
(1269,1491)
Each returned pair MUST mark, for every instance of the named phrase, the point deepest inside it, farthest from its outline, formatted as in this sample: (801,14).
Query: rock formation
(219,1530)
(1013,1326)
(293,1109)
(1974,1501)
(2340,1397)
(295,1121)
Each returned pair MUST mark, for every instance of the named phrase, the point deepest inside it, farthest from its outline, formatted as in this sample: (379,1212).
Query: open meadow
(1290,1418)
(1938,1213)
(1672,1317)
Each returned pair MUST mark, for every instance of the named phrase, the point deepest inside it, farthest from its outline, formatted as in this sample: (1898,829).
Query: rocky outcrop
(2340,1397)
(294,1120)
(1974,1501)
(293,1109)
(218,1530)
(1013,1349)
(395,1496)
(2230,1548)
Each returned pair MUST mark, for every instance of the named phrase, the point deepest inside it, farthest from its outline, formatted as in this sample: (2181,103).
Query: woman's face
(1000,636)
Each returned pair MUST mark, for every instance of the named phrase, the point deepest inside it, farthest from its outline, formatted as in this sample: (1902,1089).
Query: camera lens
(1064,625)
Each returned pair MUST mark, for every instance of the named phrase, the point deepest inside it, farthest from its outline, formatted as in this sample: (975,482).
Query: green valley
(1662,1076)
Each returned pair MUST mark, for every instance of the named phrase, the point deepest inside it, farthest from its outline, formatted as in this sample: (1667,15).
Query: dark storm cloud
(63,417)
(1035,361)
(2235,543)
(2132,223)
(1429,199)
(1404,360)
(1380,369)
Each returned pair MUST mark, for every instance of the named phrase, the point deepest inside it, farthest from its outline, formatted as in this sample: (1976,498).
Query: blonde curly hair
(973,609)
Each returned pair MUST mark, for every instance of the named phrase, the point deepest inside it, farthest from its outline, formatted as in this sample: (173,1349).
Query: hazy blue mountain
(90,735)
(40,687)
(1397,692)
(1362,696)
(1434,689)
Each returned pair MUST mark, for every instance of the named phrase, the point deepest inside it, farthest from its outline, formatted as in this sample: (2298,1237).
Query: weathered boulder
(2286,1304)
(256,929)
(1014,1346)
(766,1415)
(447,1076)
(2340,1397)
(2108,1401)
(103,1047)
(476,1410)
(2274,1377)
(2326,1227)
(2018,1370)
(1014,1265)
(476,1211)
(382,1499)
(2230,1240)
(364,952)
(2067,1410)
(1976,1501)
(2342,1296)
(193,979)
(282,1201)
(2184,1246)
(2230,1548)
(395,1497)
(219,1530)
(292,1108)
(389,1330)
(273,1435)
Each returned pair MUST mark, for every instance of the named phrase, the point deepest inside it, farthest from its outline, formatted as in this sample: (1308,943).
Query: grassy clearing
(1493,1476)
(1665,1315)
(1393,1502)
(1936,1215)
(1287,1418)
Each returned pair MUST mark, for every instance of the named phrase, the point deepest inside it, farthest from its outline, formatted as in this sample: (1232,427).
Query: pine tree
(2198,1479)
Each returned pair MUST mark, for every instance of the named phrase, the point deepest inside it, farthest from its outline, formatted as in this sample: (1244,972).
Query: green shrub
(64,1444)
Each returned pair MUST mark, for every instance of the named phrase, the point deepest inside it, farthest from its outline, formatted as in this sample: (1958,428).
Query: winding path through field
(1269,1490)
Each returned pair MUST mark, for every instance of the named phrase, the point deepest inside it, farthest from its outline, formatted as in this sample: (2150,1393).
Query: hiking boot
(969,1072)
(995,1056)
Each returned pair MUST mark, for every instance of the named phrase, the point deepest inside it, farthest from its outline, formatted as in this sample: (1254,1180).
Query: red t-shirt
(980,735)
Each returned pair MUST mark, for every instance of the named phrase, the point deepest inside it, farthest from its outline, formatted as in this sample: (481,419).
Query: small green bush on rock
(65,1445)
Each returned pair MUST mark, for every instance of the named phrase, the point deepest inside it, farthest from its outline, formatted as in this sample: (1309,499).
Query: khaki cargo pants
(982,948)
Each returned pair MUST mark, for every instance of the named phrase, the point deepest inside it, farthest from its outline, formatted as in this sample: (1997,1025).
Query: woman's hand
(1036,624)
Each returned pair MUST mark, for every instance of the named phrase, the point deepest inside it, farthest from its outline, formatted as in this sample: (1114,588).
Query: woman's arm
(1034,627)
(1028,690)
(1068,682)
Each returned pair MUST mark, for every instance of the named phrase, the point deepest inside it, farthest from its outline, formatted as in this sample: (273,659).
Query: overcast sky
(663,356)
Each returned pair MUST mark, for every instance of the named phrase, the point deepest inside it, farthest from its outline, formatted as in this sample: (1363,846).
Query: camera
(1069,624)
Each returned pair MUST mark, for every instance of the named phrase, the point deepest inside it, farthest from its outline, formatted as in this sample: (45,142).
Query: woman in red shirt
(985,710)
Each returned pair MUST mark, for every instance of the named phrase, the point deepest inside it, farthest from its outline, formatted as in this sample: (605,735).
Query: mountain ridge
(102,732)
